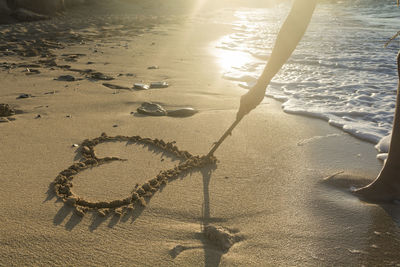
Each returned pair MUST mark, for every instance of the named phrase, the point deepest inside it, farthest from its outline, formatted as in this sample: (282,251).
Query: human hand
(250,100)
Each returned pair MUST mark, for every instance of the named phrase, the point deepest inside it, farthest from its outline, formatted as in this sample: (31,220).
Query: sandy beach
(280,190)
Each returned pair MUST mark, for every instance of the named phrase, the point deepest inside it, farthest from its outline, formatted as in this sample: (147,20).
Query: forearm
(289,36)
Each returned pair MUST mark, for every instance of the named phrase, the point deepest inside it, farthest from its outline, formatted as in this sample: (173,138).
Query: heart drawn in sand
(63,183)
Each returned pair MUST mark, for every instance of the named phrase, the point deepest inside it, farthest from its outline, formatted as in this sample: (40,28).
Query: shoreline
(267,189)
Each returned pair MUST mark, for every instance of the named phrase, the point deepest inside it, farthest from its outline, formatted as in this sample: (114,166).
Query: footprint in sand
(217,236)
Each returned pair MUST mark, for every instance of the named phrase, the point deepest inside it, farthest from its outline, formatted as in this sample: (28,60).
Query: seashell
(140,86)
(158,85)
(101,213)
(118,211)
(79,211)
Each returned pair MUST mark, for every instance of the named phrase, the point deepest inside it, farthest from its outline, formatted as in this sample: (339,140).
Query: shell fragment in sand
(158,85)
(140,86)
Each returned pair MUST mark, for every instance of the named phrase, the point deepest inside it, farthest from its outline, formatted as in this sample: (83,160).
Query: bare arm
(288,37)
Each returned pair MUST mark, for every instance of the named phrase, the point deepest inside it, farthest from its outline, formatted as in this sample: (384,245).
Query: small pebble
(66,78)
(100,76)
(115,86)
(153,68)
(75,145)
(24,96)
(38,116)
(115,125)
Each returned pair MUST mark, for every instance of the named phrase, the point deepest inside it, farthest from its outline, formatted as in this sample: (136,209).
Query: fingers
(248,102)
(244,109)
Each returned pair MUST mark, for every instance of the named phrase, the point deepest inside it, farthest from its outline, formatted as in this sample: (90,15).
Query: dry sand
(267,191)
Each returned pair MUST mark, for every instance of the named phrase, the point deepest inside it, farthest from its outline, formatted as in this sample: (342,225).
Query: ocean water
(340,72)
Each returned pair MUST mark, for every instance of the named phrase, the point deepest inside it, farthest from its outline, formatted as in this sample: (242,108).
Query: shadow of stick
(212,257)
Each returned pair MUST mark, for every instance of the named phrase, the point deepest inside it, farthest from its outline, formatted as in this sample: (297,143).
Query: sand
(272,199)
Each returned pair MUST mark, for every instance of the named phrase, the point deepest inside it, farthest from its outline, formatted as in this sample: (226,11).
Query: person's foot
(385,188)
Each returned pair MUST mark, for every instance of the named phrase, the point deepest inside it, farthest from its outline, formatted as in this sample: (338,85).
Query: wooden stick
(223,137)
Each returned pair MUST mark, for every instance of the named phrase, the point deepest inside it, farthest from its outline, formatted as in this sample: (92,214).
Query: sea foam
(340,71)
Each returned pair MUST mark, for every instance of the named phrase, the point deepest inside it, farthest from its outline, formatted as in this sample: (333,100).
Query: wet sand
(267,198)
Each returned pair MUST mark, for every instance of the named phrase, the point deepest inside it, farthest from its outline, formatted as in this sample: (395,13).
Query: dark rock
(100,76)
(24,96)
(152,109)
(182,112)
(28,65)
(114,86)
(153,68)
(66,78)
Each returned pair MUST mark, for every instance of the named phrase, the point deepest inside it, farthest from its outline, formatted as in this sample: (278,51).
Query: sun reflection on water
(231,59)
